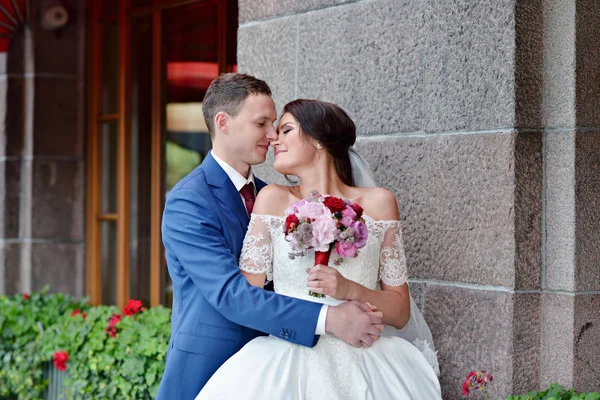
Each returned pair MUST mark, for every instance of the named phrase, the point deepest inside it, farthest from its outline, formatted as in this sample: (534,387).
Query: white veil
(416,330)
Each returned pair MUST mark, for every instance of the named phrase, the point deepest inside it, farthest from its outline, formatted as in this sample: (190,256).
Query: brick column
(43,158)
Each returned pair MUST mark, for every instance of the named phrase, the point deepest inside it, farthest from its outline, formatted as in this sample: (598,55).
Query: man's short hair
(227,93)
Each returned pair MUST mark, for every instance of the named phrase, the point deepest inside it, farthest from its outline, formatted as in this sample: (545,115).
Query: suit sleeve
(192,231)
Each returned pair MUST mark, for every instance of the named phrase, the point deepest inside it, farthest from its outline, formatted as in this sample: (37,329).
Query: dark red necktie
(247,193)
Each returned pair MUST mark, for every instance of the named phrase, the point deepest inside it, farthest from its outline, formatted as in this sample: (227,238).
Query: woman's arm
(263,205)
(392,301)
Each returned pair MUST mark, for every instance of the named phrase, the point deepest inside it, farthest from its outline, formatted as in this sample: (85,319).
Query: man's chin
(258,160)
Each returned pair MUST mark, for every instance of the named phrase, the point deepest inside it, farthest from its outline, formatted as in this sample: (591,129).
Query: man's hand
(355,323)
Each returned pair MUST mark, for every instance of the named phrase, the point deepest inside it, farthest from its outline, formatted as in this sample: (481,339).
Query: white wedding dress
(271,368)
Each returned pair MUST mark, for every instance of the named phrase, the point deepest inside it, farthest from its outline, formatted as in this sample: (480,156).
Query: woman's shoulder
(378,203)
(273,199)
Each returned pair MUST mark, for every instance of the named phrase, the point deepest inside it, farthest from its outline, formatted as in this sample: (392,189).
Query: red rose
(25,296)
(334,204)
(76,312)
(291,222)
(357,209)
(84,315)
(60,360)
(133,307)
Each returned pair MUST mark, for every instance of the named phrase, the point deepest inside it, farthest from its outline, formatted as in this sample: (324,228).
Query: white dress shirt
(239,182)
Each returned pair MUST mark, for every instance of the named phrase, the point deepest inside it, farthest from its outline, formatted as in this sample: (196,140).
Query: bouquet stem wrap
(321,257)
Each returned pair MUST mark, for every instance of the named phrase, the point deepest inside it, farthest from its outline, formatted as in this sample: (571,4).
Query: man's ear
(222,121)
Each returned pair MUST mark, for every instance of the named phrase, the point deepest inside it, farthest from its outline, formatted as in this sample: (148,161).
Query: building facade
(483,117)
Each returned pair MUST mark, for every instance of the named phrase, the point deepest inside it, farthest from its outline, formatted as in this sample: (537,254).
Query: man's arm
(192,231)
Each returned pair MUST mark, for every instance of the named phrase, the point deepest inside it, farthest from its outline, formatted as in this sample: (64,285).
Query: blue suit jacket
(215,310)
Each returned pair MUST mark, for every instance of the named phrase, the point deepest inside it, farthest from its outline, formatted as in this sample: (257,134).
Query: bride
(314,143)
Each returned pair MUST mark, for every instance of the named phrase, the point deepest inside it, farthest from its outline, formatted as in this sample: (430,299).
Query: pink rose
(324,230)
(346,249)
(312,209)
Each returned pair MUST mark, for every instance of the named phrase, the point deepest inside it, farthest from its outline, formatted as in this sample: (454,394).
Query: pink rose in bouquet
(325,223)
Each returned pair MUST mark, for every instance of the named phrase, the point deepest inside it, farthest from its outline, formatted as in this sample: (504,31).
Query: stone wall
(483,118)
(42,131)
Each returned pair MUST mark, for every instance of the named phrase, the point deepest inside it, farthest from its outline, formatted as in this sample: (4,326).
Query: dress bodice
(265,250)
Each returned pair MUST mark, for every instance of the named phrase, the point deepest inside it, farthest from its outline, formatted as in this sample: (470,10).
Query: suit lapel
(224,190)
(259,184)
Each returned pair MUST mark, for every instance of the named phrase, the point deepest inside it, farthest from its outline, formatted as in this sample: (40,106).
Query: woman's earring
(319,145)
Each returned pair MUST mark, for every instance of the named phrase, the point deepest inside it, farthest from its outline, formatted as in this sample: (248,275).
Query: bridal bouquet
(323,224)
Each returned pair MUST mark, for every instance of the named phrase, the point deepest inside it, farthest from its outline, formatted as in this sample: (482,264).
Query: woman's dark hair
(328,124)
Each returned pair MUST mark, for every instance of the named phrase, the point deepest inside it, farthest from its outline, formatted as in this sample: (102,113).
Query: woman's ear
(222,122)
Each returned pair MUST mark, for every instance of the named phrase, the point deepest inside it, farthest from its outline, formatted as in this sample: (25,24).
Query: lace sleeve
(257,251)
(392,261)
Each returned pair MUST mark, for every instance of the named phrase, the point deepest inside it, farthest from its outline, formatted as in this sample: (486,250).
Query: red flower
(76,312)
(60,360)
(114,319)
(291,222)
(25,296)
(133,307)
(84,315)
(465,388)
(357,209)
(334,204)
(111,330)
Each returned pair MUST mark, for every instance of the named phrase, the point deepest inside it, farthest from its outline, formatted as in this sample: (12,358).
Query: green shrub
(557,392)
(111,355)
(23,320)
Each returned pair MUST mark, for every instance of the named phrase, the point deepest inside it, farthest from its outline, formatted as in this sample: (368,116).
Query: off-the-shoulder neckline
(282,217)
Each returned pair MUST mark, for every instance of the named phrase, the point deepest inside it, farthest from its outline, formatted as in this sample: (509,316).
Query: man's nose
(272,134)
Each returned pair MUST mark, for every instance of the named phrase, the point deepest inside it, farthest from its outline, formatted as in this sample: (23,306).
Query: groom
(215,310)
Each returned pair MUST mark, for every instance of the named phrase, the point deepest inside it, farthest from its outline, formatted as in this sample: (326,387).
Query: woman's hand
(327,280)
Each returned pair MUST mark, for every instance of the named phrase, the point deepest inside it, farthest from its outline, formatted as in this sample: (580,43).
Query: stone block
(587,206)
(14,124)
(54,52)
(586,377)
(587,66)
(559,165)
(58,199)
(366,57)
(268,51)
(60,265)
(10,256)
(526,325)
(250,10)
(469,65)
(10,199)
(529,63)
(480,329)
(556,340)
(456,199)
(58,113)
(528,210)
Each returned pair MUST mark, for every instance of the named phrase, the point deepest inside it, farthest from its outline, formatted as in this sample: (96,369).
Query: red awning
(12,15)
